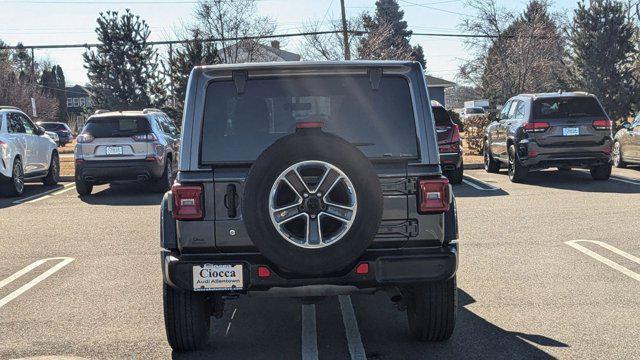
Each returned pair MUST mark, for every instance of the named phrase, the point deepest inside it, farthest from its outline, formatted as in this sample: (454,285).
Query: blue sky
(73,21)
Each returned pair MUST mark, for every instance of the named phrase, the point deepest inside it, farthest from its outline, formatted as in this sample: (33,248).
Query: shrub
(474,132)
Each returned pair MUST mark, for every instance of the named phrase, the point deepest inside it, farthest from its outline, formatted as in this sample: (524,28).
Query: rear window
(109,127)
(237,128)
(566,107)
(441,116)
(52,127)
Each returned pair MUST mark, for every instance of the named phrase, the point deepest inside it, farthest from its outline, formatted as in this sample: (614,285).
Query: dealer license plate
(114,150)
(572,131)
(217,277)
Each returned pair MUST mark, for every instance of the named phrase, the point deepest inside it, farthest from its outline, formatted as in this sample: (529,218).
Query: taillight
(434,196)
(85,138)
(536,127)
(187,202)
(455,136)
(145,137)
(603,124)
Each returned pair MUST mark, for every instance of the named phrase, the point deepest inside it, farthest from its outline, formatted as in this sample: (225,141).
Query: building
(79,105)
(436,88)
(250,51)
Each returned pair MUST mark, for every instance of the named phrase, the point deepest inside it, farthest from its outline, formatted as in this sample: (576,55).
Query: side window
(519,114)
(504,113)
(14,124)
(30,129)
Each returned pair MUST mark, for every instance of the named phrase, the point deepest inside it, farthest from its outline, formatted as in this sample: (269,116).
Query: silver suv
(126,145)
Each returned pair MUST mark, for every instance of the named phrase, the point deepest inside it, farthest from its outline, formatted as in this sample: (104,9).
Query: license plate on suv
(114,150)
(570,131)
(217,277)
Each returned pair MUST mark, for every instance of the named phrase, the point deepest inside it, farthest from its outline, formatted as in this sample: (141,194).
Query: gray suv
(307,180)
(539,131)
(127,145)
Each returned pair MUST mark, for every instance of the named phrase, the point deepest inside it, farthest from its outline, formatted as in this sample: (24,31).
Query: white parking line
(356,348)
(625,179)
(309,333)
(632,274)
(45,194)
(21,290)
(487,186)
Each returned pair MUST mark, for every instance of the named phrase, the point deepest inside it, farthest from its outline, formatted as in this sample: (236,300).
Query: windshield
(237,128)
(109,127)
(52,126)
(475,110)
(566,107)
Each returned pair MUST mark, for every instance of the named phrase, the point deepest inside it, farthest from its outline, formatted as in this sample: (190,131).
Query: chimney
(275,44)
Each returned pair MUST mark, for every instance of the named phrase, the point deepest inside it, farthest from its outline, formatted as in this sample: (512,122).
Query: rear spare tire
(312,203)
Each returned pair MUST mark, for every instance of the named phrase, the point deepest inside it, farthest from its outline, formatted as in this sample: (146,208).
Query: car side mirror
(626,125)
(40,131)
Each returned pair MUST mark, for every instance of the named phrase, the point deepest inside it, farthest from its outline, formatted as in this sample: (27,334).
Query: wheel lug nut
(312,216)
(319,194)
(305,195)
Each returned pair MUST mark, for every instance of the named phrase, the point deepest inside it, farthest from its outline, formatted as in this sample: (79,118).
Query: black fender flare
(168,230)
(451,223)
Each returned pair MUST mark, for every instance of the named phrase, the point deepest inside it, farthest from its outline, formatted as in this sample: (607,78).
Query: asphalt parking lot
(549,269)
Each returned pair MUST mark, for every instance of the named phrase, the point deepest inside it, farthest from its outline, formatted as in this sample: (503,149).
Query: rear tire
(53,176)
(431,310)
(601,172)
(163,184)
(616,156)
(15,185)
(186,319)
(83,188)
(490,164)
(456,175)
(517,172)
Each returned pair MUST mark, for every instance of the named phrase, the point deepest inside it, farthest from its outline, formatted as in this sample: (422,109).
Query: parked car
(626,144)
(538,131)
(285,188)
(61,129)
(26,153)
(124,146)
(449,143)
(53,137)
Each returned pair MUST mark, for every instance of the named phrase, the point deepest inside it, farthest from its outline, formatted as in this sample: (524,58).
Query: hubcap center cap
(313,205)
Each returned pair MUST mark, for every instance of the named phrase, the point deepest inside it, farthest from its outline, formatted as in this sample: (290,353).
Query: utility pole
(345,34)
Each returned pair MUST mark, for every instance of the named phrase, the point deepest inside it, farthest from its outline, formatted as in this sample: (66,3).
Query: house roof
(433,81)
(265,53)
(78,91)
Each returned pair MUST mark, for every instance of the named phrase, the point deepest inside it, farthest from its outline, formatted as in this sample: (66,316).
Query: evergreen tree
(388,36)
(53,83)
(183,60)
(124,69)
(603,55)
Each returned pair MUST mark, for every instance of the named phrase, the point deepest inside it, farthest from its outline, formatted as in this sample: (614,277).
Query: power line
(274,36)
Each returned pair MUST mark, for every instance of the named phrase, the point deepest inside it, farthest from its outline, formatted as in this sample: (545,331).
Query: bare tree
(330,46)
(224,19)
(514,54)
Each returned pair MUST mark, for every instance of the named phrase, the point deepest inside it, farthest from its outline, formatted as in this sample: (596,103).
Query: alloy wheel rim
(312,204)
(18,178)
(616,153)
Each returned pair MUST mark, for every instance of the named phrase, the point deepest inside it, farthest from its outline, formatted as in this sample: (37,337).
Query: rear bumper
(118,170)
(535,156)
(387,268)
(450,161)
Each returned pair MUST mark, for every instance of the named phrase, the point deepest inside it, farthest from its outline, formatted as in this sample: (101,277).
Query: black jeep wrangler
(308,179)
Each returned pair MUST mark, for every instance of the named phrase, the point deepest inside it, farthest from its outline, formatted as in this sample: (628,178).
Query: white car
(26,153)
(53,137)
